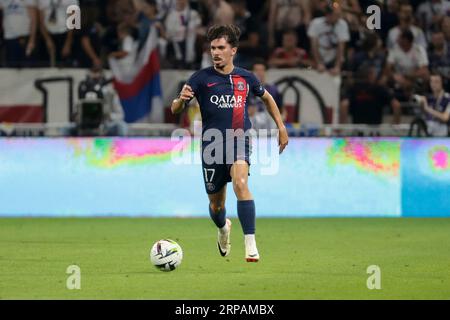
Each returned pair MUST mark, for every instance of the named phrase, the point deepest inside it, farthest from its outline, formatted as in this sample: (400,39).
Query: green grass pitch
(300,259)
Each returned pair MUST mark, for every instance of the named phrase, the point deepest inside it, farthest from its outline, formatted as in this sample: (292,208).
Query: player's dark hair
(229,32)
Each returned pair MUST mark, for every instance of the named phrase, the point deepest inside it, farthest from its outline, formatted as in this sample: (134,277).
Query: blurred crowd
(395,61)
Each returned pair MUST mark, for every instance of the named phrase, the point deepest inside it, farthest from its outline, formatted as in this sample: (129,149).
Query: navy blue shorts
(216,166)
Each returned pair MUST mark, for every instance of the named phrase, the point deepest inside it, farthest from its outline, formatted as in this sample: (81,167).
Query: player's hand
(283,139)
(186,93)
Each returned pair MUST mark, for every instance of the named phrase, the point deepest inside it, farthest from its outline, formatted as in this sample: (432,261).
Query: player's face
(222,53)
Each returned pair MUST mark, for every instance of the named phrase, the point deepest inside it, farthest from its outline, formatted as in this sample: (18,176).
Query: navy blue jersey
(223,98)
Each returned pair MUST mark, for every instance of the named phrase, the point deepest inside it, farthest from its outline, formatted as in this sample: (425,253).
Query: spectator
(445,27)
(163,8)
(288,15)
(87,44)
(406,19)
(115,10)
(220,12)
(147,17)
(352,11)
(407,65)
(366,99)
(439,56)
(251,43)
(127,44)
(370,55)
(318,8)
(181,29)
(328,36)
(19,28)
(430,14)
(58,39)
(358,33)
(389,18)
(289,55)
(437,108)
(243,19)
(257,112)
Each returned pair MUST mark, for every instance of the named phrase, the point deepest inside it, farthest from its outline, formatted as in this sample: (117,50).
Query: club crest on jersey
(240,86)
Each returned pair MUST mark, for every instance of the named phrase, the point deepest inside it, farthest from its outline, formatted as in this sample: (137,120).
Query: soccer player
(222,91)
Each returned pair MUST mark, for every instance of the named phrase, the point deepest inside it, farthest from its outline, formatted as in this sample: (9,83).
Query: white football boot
(251,252)
(223,239)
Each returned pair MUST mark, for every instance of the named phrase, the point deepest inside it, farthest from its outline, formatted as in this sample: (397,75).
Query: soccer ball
(166,255)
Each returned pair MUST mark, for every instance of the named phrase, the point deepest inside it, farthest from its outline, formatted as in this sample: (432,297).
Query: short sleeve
(313,31)
(194,82)
(342,31)
(420,39)
(423,57)
(391,56)
(256,86)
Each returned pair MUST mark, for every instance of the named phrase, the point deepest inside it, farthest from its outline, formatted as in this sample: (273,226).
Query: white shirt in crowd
(16,19)
(407,62)
(164,7)
(394,33)
(328,36)
(289,14)
(182,26)
(55,15)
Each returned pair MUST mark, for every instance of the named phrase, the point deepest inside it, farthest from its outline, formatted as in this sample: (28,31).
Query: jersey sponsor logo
(211,84)
(227,101)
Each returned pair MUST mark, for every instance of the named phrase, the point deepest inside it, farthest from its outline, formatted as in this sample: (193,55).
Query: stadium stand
(321,46)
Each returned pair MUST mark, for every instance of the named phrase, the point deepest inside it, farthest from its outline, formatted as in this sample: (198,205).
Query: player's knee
(240,185)
(217,206)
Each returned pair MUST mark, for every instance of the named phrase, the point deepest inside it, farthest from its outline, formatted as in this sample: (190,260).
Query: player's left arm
(274,112)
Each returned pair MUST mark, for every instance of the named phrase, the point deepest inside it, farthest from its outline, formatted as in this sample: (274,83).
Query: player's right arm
(185,96)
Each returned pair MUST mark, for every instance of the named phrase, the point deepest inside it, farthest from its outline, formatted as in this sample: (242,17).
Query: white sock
(224,229)
(249,240)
